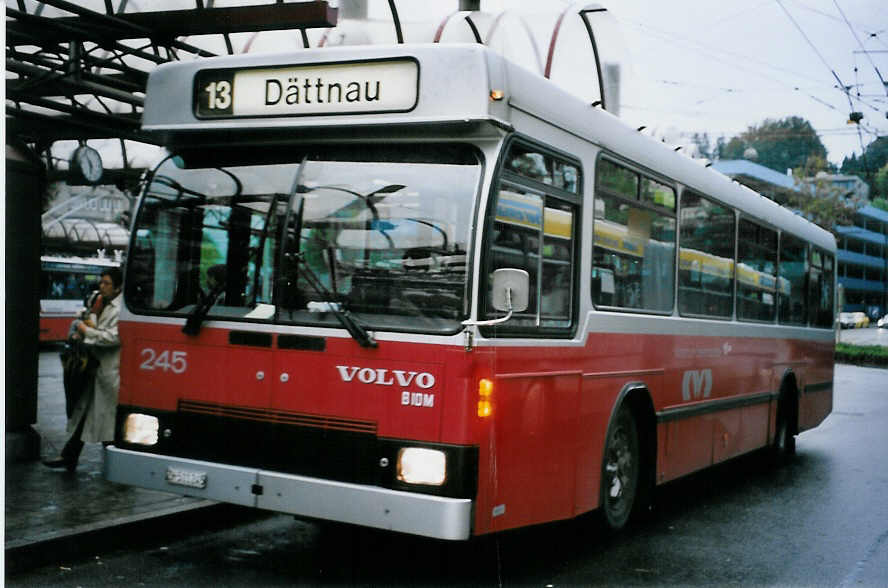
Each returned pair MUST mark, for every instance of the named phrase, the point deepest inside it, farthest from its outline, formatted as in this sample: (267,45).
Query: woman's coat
(99,400)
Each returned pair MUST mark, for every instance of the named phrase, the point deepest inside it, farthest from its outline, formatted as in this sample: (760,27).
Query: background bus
(65,284)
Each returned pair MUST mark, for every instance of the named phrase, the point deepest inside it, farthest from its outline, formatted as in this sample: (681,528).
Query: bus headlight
(418,465)
(141,429)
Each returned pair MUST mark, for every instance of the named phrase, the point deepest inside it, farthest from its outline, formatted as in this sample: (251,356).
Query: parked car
(883,322)
(853,320)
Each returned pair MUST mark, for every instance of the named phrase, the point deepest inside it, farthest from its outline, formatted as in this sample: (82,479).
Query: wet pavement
(53,514)
(869,336)
(45,507)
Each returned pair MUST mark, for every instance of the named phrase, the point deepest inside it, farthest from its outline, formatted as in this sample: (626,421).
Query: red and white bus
(65,284)
(420,288)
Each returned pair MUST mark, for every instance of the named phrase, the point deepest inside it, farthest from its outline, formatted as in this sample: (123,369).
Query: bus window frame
(474,215)
(741,217)
(807,257)
(812,312)
(503,175)
(641,204)
(735,214)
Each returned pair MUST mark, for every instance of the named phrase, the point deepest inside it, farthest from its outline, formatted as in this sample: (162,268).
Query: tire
(784,445)
(620,470)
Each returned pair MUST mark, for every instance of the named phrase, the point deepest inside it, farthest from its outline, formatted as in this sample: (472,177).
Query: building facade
(863,262)
(862,248)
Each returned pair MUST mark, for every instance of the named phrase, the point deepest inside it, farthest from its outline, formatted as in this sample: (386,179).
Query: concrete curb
(67,545)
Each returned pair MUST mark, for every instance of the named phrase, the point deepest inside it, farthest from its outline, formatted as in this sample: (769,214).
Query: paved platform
(46,508)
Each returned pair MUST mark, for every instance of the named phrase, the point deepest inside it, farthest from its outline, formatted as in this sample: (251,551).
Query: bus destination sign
(334,88)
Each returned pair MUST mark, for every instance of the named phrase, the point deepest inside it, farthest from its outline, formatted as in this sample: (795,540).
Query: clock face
(88,163)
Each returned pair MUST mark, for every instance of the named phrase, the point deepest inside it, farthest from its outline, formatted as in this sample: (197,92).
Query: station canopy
(80,234)
(76,71)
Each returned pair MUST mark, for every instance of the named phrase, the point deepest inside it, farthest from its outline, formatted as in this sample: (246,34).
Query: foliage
(879,190)
(782,144)
(814,165)
(822,203)
(819,200)
(876,355)
(703,143)
(790,143)
(875,156)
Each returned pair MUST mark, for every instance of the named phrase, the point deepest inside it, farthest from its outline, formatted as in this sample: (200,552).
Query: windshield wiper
(351,324)
(346,319)
(363,200)
(272,208)
(200,312)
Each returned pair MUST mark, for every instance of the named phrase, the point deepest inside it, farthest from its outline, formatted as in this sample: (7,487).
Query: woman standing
(93,417)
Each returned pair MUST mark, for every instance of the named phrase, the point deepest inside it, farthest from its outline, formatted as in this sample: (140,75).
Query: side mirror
(511,289)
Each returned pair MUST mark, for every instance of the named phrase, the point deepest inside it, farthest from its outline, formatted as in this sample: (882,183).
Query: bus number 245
(167,361)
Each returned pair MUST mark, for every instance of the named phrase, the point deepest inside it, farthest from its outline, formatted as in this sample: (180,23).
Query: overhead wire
(842,86)
(716,53)
(685,84)
(859,42)
(813,47)
(690,44)
(675,38)
(804,6)
(878,73)
(669,37)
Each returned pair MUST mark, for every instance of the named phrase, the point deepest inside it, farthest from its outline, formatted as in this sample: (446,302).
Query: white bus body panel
(454,85)
(370,506)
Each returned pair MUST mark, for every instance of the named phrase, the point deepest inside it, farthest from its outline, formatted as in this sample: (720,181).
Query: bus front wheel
(620,470)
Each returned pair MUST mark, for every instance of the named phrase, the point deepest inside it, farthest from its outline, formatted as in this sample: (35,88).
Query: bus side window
(756,272)
(706,257)
(515,242)
(534,228)
(793,302)
(556,291)
(634,240)
(820,289)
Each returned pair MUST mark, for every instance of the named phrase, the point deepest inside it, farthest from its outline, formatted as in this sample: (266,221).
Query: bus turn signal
(485,393)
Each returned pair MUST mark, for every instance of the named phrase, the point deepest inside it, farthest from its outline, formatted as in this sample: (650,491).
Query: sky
(721,66)
(695,66)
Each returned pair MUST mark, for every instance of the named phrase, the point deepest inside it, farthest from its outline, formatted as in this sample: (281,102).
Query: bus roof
(367,85)
(376,86)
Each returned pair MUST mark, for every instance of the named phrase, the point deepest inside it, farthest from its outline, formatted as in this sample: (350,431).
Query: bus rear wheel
(784,446)
(620,470)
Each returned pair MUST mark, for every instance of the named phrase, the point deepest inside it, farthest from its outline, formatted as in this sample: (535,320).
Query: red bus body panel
(540,452)
(54,328)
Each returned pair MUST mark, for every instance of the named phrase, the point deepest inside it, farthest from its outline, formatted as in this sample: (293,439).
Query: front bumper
(405,512)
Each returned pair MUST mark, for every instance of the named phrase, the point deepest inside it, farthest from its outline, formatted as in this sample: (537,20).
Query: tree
(733,148)
(821,202)
(703,144)
(880,188)
(781,144)
(814,165)
(875,156)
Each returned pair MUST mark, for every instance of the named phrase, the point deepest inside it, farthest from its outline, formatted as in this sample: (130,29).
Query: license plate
(188,478)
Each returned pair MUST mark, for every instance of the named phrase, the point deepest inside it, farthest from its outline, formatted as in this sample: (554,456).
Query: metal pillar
(25,184)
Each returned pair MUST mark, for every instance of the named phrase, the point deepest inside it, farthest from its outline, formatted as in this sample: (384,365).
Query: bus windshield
(295,235)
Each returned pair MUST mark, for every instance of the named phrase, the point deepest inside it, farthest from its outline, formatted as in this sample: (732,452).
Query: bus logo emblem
(385,377)
(696,384)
